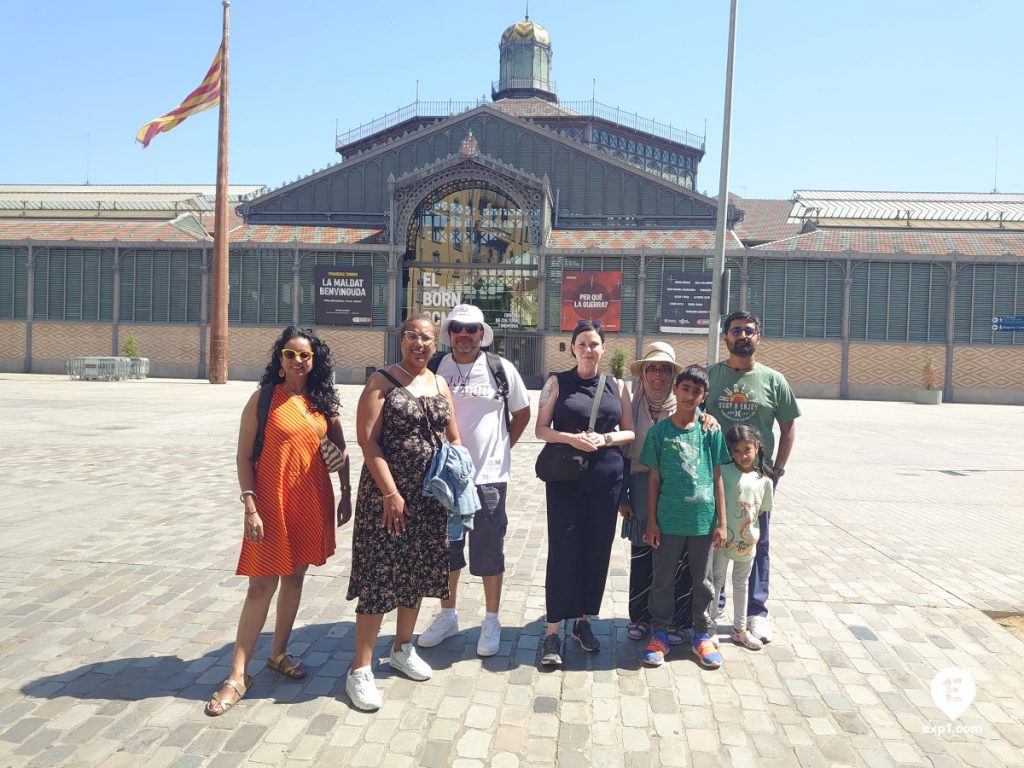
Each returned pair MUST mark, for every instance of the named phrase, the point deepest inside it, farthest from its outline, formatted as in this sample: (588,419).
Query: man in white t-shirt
(489,425)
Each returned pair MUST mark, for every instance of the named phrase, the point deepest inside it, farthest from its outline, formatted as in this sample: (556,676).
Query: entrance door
(524,350)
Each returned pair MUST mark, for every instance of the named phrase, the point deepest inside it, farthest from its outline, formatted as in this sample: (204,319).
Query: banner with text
(593,296)
(344,295)
(686,302)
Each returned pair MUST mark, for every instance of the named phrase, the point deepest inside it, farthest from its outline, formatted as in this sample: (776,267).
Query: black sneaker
(552,651)
(584,635)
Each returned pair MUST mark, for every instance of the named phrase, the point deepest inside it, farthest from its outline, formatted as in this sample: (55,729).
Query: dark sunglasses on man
(470,328)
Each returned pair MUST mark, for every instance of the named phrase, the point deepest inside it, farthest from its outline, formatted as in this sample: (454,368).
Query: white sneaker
(441,628)
(362,690)
(761,628)
(410,664)
(490,638)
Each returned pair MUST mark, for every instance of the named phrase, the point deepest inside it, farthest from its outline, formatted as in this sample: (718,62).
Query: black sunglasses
(595,323)
(469,328)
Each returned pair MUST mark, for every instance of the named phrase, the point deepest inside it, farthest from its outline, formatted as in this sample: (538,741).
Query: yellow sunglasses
(291,354)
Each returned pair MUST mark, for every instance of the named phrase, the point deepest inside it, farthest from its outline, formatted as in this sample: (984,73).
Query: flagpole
(721,228)
(218,362)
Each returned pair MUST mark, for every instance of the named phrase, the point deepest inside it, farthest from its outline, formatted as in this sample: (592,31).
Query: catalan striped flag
(206,96)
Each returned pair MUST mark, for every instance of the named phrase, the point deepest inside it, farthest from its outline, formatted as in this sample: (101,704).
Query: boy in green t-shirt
(686,512)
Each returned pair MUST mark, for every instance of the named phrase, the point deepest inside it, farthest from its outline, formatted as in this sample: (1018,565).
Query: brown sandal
(217,706)
(288,666)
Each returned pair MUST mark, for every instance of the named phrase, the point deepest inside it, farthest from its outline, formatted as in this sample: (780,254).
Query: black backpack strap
(262,414)
(501,384)
(389,377)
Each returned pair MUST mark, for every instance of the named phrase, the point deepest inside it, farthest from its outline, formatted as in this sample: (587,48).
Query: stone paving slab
(894,529)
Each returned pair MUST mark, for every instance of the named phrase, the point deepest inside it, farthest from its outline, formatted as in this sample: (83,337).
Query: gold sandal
(240,687)
(288,666)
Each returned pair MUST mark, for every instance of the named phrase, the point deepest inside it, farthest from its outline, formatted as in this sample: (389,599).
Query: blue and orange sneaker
(706,651)
(656,650)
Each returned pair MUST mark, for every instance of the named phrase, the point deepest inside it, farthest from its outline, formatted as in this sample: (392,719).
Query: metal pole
(219,308)
(723,199)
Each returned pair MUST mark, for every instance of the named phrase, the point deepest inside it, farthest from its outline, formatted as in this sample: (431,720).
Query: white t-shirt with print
(481,415)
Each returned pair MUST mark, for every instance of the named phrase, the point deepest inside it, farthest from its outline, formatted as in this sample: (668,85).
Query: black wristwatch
(780,471)
(608,438)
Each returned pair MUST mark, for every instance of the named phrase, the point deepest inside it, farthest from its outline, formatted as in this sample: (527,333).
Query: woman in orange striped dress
(288,498)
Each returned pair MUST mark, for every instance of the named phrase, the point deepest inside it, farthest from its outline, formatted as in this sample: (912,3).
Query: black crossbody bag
(561,462)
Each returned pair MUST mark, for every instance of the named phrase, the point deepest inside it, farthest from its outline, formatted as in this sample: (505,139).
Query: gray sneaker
(552,651)
(584,635)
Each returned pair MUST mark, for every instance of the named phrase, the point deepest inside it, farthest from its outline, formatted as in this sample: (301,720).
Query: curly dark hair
(320,387)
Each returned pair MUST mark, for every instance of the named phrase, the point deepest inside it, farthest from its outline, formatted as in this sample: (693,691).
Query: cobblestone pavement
(894,529)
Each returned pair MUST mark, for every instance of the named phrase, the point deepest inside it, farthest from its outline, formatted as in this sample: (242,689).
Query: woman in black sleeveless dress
(582,513)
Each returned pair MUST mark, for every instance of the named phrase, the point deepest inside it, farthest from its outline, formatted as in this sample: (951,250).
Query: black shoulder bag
(561,462)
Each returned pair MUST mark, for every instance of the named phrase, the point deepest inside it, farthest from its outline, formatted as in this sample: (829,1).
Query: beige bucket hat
(655,352)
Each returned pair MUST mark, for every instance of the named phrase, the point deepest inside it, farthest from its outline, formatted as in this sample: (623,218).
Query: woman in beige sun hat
(655,374)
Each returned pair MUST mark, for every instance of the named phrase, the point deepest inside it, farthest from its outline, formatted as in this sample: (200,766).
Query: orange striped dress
(294,494)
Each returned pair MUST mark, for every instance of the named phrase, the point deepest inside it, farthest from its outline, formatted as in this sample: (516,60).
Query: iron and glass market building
(541,212)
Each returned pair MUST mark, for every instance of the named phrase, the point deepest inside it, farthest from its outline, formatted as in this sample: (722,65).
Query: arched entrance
(469,242)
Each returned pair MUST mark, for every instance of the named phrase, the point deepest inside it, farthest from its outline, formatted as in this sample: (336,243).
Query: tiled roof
(764,220)
(890,242)
(275,233)
(920,206)
(696,239)
(100,230)
(106,198)
(532,107)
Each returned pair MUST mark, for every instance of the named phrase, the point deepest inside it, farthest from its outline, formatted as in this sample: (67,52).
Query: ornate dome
(526,31)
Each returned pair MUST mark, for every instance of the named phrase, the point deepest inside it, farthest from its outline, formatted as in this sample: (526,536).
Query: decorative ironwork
(441,109)
(431,183)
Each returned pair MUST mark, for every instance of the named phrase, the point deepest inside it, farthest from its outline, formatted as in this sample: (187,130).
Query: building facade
(539,212)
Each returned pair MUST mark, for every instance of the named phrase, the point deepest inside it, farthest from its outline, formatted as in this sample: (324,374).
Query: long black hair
(323,397)
(741,433)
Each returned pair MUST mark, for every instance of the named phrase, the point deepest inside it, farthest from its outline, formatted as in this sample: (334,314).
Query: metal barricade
(99,368)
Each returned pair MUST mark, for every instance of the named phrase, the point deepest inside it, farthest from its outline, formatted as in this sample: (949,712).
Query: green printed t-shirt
(754,398)
(685,459)
(747,495)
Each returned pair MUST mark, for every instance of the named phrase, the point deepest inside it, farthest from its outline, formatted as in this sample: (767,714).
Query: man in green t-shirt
(743,391)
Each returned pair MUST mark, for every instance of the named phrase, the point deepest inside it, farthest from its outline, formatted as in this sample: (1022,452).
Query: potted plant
(618,363)
(139,365)
(931,394)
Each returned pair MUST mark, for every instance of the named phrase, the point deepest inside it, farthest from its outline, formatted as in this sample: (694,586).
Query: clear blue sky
(866,94)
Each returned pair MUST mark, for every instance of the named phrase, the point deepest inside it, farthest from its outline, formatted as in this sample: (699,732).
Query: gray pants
(664,560)
(740,575)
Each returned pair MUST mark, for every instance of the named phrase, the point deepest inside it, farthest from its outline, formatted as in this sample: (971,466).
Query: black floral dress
(388,570)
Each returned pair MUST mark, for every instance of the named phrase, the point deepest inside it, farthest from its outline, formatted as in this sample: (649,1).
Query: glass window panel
(899,301)
(472,222)
(878,301)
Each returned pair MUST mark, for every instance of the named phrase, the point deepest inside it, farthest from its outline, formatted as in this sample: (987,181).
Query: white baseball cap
(467,313)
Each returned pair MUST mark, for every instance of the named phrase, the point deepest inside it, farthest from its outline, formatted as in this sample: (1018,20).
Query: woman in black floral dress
(400,540)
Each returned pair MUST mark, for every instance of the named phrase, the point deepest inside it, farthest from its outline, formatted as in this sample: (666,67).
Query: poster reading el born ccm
(344,295)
